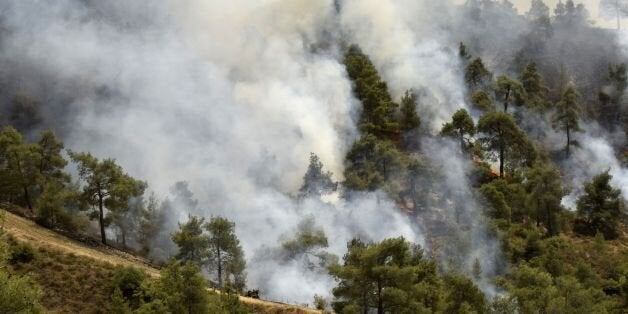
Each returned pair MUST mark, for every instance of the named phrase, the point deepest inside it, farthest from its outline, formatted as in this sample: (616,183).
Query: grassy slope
(73,274)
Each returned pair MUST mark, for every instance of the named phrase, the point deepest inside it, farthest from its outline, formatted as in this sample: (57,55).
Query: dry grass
(76,276)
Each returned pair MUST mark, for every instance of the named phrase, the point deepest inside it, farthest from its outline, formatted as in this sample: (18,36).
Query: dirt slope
(26,230)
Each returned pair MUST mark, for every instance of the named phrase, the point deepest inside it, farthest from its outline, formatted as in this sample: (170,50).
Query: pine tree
(461,127)
(316,181)
(567,116)
(106,186)
(509,91)
(226,257)
(378,109)
(192,242)
(600,208)
(409,117)
(545,192)
(534,87)
(476,75)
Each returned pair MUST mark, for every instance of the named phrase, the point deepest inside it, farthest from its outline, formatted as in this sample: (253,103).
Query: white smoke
(231,96)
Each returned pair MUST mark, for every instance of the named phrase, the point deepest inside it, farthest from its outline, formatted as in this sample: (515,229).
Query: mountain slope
(45,240)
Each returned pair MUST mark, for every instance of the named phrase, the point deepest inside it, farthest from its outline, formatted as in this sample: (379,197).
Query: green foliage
(482,101)
(151,222)
(378,109)
(52,206)
(390,276)
(600,208)
(534,87)
(410,119)
(19,163)
(461,127)
(226,258)
(464,296)
(127,281)
(191,241)
(118,303)
(567,116)
(106,186)
(181,288)
(316,181)
(18,295)
(308,244)
(509,91)
(476,75)
(21,253)
(371,162)
(545,193)
(505,141)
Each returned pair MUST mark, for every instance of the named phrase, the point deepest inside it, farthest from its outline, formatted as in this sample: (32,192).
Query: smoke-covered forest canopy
(356,156)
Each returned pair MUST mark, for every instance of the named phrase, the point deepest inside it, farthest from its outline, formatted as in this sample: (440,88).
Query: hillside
(67,257)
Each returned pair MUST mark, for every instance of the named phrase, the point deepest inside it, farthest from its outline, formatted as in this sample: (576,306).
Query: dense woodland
(556,260)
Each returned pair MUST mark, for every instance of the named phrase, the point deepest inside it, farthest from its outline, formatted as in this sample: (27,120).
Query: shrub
(128,280)
(21,253)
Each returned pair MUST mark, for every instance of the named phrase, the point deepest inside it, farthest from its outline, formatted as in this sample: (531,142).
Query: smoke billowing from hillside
(232,96)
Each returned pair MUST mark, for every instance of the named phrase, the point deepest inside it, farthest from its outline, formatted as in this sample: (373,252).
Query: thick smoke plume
(233,96)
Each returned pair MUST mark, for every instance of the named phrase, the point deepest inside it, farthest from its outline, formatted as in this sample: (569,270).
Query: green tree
(476,75)
(534,87)
(600,208)
(19,163)
(192,242)
(51,162)
(151,222)
(464,296)
(225,253)
(105,186)
(52,206)
(567,116)
(378,109)
(463,52)
(482,101)
(181,288)
(316,181)
(387,277)
(545,192)
(461,127)
(308,243)
(501,136)
(128,282)
(611,110)
(371,162)
(509,91)
(409,117)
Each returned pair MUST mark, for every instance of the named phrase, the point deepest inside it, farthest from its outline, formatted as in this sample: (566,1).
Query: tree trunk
(380,302)
(101,220)
(219,270)
(123,237)
(568,142)
(461,140)
(27,198)
(550,228)
(502,152)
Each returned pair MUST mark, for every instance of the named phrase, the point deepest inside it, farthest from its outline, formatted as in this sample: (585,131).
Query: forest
(347,156)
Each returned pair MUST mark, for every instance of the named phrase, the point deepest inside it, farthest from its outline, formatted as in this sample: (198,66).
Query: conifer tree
(600,208)
(461,127)
(567,116)
(225,257)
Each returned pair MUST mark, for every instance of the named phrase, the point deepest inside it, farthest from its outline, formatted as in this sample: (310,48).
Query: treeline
(547,246)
